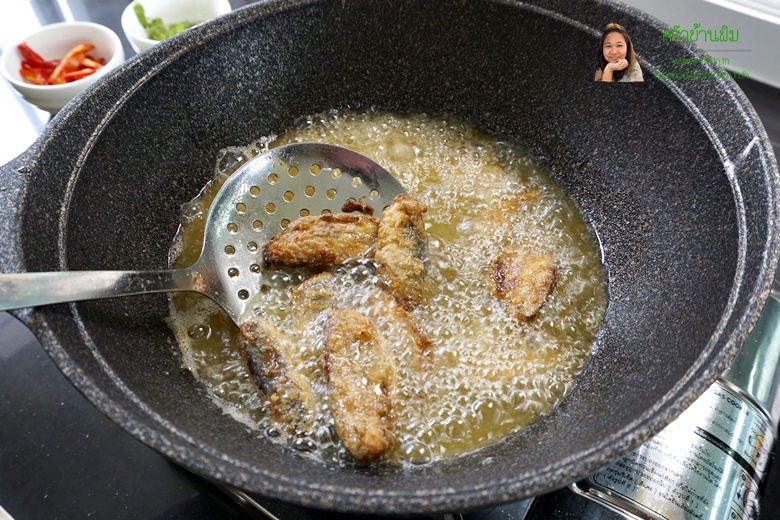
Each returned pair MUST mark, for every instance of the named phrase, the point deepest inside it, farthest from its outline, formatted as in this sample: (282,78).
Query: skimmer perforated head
(267,193)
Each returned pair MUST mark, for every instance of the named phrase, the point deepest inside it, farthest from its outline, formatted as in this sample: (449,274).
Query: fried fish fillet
(323,240)
(522,280)
(396,322)
(361,380)
(501,206)
(401,249)
(316,294)
(358,205)
(313,296)
(272,366)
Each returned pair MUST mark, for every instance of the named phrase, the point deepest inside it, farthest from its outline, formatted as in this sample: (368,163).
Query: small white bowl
(170,11)
(54,42)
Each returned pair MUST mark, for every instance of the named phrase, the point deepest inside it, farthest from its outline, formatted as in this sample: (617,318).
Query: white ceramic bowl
(54,42)
(170,11)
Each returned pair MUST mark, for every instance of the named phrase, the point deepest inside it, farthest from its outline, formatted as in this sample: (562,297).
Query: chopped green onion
(156,29)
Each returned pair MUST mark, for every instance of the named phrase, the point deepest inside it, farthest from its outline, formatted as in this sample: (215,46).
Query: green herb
(156,29)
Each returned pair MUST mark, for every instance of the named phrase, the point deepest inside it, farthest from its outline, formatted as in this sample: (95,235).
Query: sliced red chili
(77,74)
(77,64)
(33,76)
(32,57)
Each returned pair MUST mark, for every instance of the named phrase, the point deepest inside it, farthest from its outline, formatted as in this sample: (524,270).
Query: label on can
(710,463)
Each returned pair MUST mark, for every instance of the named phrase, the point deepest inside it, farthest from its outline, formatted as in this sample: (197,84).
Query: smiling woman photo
(617,60)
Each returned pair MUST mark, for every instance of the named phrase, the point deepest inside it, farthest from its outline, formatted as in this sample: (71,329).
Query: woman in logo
(617,60)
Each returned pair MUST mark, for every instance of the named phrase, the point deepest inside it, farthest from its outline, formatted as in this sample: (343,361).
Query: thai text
(696,34)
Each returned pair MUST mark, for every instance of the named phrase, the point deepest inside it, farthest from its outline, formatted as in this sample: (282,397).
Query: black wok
(676,177)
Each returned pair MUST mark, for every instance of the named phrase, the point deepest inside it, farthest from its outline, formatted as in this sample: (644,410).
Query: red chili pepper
(92,63)
(77,74)
(44,71)
(32,57)
(77,64)
(33,76)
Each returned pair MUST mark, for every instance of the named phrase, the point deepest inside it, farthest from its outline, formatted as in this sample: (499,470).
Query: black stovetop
(62,459)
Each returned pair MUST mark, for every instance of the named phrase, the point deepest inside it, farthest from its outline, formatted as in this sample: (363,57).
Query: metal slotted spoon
(254,205)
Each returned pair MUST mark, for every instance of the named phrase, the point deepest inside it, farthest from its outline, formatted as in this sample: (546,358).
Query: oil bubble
(455,427)
(304,444)
(231,161)
(190,212)
(417,452)
(487,411)
(199,331)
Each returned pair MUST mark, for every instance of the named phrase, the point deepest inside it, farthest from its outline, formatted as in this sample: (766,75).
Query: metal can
(708,464)
(712,461)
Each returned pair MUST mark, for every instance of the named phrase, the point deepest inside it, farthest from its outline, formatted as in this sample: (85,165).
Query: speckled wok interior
(677,179)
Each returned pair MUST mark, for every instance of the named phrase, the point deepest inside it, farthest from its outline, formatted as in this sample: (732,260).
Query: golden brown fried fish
(522,280)
(361,380)
(401,250)
(272,366)
(324,240)
(316,294)
(395,321)
(313,296)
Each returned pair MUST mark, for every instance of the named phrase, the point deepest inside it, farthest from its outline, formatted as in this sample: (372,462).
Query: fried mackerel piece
(361,381)
(315,295)
(522,280)
(506,207)
(395,321)
(312,296)
(401,250)
(322,240)
(271,365)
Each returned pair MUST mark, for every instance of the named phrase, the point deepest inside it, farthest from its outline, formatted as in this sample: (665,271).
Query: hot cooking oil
(487,375)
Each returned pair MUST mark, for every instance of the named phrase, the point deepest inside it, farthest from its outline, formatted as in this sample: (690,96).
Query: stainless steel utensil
(253,205)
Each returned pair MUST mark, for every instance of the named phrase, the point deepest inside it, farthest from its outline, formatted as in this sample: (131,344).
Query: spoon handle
(21,290)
